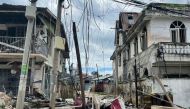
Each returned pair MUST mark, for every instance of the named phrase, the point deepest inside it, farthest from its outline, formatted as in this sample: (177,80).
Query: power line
(130,3)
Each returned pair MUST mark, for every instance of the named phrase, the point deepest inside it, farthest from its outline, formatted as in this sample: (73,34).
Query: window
(20,31)
(130,20)
(128,52)
(129,76)
(145,72)
(130,17)
(143,39)
(178,32)
(136,46)
(3,32)
(119,59)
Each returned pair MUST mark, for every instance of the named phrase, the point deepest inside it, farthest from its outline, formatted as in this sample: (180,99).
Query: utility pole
(79,64)
(31,16)
(55,53)
(116,71)
(97,72)
(135,71)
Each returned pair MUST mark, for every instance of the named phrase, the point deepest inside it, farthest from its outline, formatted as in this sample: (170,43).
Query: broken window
(178,32)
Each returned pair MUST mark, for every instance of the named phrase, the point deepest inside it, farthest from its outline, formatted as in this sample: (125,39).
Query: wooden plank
(11,46)
(163,107)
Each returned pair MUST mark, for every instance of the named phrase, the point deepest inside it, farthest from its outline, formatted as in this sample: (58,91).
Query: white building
(159,41)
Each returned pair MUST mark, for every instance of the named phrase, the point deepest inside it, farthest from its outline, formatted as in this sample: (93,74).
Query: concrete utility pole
(79,65)
(55,52)
(31,16)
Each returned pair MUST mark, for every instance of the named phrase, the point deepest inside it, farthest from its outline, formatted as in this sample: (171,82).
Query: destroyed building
(159,42)
(13,24)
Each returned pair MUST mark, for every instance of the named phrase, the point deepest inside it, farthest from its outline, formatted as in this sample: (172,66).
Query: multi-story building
(159,42)
(125,22)
(13,25)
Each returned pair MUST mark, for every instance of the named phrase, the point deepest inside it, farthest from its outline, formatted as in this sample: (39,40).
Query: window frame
(143,40)
(178,37)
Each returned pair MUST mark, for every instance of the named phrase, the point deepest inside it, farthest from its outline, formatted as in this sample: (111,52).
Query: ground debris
(5,101)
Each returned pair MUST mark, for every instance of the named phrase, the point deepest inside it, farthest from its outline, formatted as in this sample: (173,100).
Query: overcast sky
(101,40)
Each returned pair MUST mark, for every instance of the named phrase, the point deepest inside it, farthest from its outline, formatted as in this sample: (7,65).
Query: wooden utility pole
(55,53)
(97,72)
(79,64)
(31,16)
(116,71)
(135,71)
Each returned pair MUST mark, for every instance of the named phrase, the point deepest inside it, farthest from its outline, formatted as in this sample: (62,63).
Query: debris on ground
(5,101)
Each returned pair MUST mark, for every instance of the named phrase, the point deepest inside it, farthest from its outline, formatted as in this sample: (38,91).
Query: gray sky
(101,41)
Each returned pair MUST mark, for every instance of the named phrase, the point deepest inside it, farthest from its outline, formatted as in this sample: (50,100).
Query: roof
(104,77)
(10,11)
(113,56)
(171,6)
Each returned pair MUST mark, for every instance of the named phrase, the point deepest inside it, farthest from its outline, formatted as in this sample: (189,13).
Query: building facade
(13,24)
(159,43)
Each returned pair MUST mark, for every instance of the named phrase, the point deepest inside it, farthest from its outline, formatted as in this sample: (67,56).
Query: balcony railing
(175,48)
(16,45)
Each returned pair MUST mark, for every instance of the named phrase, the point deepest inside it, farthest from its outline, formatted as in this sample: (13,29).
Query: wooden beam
(12,46)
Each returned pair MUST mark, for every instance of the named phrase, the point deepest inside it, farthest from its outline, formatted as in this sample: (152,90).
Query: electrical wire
(92,8)
(130,3)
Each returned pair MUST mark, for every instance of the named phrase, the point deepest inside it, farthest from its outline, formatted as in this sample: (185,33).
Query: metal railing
(10,44)
(175,48)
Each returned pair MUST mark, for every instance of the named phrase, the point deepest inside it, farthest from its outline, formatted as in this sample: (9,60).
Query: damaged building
(13,24)
(158,39)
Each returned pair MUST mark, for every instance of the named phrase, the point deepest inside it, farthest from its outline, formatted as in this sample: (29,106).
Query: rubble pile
(5,101)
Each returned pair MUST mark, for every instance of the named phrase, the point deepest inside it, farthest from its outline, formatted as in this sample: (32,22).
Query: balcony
(174,53)
(15,45)
(175,48)
(11,44)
